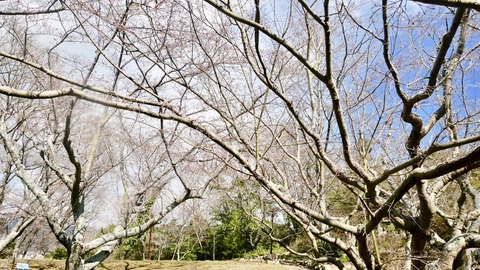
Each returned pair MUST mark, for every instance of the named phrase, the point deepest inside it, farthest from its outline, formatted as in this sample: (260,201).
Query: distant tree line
(231,233)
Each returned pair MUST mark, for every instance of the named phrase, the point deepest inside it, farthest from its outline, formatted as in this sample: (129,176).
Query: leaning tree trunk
(454,252)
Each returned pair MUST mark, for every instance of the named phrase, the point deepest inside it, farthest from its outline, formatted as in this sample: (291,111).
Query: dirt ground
(151,265)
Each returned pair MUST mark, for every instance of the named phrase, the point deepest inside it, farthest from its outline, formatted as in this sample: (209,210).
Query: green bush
(261,251)
(58,254)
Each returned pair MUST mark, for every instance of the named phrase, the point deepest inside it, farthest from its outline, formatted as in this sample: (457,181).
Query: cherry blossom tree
(352,116)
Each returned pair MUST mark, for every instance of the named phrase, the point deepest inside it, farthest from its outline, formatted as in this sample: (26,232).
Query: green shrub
(58,254)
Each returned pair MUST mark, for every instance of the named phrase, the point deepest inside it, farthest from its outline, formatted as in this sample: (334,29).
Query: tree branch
(475,4)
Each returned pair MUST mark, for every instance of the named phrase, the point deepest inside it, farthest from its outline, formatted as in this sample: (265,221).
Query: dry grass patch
(151,265)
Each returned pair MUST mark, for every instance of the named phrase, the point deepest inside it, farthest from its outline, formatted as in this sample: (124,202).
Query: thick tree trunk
(454,252)
(364,251)
(421,232)
(462,261)
(101,254)
(419,258)
(75,260)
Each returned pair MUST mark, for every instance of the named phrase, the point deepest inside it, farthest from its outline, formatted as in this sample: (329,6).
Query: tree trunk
(365,252)
(75,260)
(102,254)
(421,232)
(419,241)
(408,252)
(462,261)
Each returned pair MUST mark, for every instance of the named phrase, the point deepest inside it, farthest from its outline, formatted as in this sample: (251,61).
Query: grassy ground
(151,265)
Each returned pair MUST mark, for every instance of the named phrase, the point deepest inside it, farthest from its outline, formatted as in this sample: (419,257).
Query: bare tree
(15,202)
(68,183)
(375,102)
